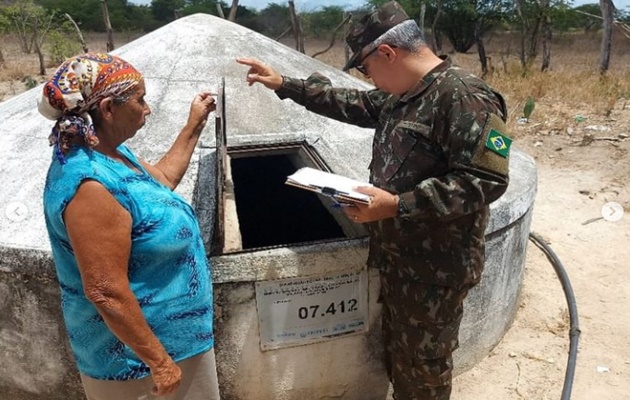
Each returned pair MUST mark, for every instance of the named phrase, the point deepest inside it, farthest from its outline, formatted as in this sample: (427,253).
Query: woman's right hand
(262,73)
(166,378)
(202,105)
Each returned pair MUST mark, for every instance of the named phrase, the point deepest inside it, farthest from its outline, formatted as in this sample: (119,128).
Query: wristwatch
(402,207)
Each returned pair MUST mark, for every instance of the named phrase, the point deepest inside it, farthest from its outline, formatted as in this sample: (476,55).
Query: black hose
(574,330)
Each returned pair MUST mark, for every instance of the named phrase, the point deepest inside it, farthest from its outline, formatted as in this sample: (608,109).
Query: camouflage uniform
(441,147)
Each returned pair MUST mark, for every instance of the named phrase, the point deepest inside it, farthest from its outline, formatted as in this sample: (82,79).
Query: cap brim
(352,61)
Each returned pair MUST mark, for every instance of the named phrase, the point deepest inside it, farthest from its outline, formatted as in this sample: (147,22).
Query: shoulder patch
(493,148)
(498,142)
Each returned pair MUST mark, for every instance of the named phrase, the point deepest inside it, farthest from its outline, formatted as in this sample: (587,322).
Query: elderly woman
(135,283)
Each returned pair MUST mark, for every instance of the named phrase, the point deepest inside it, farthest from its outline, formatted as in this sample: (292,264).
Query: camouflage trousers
(420,325)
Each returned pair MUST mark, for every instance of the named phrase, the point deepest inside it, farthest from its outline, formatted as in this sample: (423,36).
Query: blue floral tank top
(168,270)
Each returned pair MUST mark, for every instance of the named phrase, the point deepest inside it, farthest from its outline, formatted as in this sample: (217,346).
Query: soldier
(439,158)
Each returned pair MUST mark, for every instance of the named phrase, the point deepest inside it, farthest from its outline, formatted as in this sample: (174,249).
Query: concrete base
(37,360)
(334,369)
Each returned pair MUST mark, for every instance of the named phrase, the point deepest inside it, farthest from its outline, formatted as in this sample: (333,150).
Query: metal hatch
(218,242)
(256,210)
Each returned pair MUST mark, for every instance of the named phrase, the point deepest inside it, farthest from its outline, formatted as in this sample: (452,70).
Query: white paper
(320,179)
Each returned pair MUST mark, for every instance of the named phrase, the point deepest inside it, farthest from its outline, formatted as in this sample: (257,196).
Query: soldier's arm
(477,148)
(352,106)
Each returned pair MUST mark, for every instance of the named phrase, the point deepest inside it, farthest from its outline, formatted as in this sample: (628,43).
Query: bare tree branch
(280,36)
(423,10)
(625,29)
(437,43)
(297,30)
(108,27)
(332,41)
(76,27)
(346,48)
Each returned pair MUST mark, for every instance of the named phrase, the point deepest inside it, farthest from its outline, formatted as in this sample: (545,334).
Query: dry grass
(572,86)
(20,67)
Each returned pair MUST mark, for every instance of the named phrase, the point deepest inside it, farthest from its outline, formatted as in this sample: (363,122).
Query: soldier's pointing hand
(262,73)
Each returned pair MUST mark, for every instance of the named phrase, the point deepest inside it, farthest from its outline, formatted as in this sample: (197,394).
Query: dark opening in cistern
(272,213)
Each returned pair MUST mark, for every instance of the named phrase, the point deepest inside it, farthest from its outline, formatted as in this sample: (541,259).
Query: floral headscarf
(77,87)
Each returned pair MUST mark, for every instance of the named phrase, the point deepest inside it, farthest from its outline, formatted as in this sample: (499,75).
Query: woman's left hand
(202,105)
(166,377)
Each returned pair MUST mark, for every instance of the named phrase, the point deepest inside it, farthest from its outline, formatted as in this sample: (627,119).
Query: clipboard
(339,188)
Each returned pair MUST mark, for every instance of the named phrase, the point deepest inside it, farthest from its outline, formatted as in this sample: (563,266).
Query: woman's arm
(100,233)
(173,165)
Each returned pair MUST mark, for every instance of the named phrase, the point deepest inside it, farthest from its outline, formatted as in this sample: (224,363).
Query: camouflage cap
(371,26)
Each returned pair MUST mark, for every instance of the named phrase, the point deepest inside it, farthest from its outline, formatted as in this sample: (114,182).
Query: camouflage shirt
(442,148)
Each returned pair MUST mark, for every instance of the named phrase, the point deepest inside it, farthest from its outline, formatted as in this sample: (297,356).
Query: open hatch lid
(221,168)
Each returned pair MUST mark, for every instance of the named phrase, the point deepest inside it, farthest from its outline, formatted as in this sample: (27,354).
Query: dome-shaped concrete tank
(296,311)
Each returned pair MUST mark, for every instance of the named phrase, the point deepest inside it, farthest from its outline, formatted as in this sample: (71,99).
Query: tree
(4,27)
(233,11)
(274,19)
(248,18)
(586,17)
(468,21)
(564,18)
(60,43)
(87,14)
(437,37)
(21,16)
(202,6)
(320,23)
(297,27)
(608,13)
(32,24)
(108,26)
(529,17)
(164,10)
(546,35)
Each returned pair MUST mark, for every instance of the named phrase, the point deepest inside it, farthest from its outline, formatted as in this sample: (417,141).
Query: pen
(338,204)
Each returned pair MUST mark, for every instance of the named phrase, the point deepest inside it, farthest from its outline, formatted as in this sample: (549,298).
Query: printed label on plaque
(298,311)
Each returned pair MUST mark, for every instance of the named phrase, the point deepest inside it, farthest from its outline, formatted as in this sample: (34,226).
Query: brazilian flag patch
(499,143)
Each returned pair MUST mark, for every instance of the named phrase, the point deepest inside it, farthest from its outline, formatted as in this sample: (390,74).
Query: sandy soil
(575,181)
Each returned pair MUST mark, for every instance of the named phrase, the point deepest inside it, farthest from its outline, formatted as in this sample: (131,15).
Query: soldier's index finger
(252,62)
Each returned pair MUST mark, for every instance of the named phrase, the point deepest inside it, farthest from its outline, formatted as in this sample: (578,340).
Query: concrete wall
(346,368)
(37,361)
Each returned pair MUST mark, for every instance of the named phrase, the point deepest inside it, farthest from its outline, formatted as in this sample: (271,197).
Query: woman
(135,284)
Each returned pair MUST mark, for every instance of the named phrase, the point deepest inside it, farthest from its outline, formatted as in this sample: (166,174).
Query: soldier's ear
(389,52)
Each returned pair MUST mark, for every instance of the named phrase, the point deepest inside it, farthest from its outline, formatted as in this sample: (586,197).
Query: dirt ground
(578,172)
(574,181)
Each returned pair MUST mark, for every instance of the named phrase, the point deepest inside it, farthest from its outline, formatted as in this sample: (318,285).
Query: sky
(310,5)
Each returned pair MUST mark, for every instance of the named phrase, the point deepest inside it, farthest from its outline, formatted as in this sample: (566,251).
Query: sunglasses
(360,67)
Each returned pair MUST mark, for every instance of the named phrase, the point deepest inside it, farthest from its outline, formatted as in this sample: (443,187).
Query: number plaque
(299,311)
